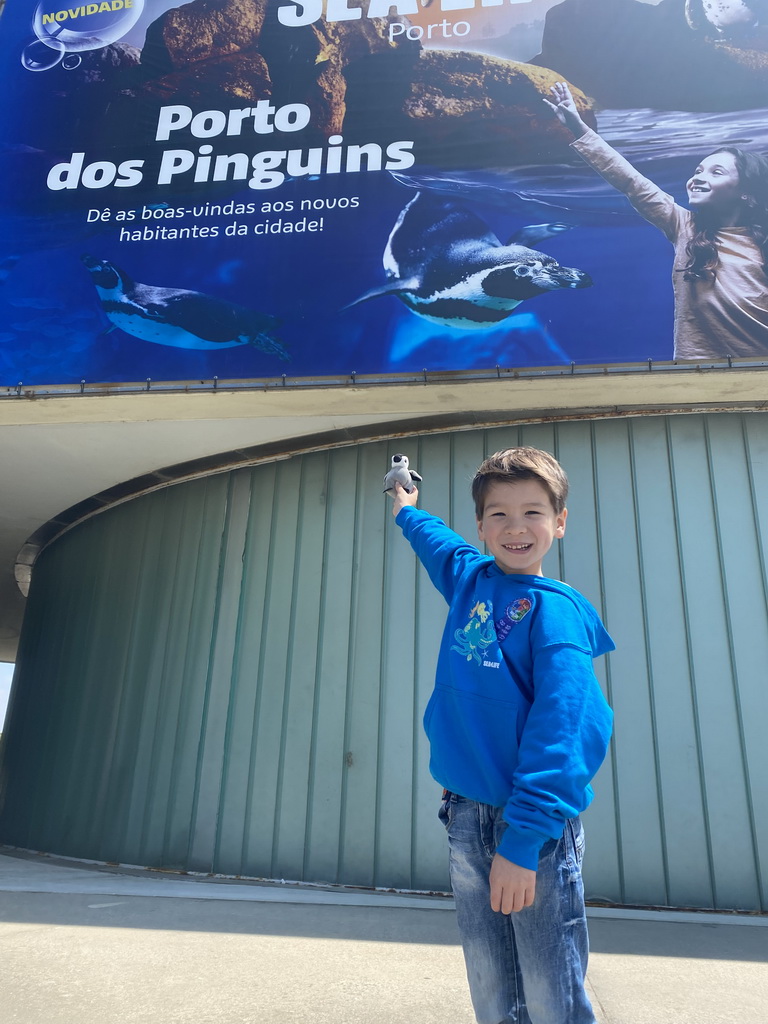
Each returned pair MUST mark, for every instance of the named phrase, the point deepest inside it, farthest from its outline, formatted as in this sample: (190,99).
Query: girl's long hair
(703,257)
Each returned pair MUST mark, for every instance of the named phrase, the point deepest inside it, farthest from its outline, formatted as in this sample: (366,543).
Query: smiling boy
(517,726)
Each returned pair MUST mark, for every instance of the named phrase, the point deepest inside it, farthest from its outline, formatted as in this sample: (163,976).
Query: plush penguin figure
(402,474)
(178,317)
(447,266)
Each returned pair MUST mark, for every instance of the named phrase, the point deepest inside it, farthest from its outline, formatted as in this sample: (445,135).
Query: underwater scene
(339,188)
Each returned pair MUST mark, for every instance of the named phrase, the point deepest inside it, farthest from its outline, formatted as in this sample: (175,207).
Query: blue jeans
(527,967)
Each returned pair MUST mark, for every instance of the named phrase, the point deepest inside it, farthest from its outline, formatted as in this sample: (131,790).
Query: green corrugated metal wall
(229,675)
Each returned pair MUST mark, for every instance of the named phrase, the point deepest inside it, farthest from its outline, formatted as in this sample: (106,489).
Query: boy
(517,726)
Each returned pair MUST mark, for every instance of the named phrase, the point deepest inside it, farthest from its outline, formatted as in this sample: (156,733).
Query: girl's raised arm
(564,107)
(651,202)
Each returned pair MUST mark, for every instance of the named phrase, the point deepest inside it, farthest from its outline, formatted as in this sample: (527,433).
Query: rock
(238,80)
(309,64)
(628,54)
(752,59)
(604,46)
(73,106)
(466,110)
(100,67)
(304,64)
(200,31)
(459,108)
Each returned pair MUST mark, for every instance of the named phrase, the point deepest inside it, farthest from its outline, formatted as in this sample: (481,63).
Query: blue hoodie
(517,718)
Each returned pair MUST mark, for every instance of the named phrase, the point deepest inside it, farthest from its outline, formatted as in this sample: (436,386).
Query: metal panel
(229,675)
(675,770)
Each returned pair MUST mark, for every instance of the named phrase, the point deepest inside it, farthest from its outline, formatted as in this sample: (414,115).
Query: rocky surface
(329,50)
(105,66)
(459,108)
(467,109)
(200,31)
(628,54)
(241,78)
(305,64)
(73,106)
(753,59)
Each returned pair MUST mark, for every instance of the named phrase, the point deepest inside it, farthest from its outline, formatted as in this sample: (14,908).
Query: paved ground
(83,945)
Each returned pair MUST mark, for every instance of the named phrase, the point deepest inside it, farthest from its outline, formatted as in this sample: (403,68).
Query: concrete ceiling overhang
(68,453)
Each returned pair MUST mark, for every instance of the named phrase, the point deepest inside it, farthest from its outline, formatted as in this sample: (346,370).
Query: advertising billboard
(251,188)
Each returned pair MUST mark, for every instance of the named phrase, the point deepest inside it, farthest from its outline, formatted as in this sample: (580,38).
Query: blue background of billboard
(52,329)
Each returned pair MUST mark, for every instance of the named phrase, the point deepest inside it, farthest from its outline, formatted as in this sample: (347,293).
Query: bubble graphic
(40,56)
(72,61)
(88,26)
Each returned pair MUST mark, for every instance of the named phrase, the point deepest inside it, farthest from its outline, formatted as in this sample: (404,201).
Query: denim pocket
(574,845)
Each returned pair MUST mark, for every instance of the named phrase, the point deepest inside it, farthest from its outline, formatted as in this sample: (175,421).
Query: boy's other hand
(512,887)
(403,498)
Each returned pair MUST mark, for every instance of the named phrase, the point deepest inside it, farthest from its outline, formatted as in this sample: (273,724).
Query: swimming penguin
(402,474)
(532,234)
(178,317)
(447,266)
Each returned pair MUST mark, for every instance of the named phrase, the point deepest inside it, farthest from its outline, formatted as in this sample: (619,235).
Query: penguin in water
(447,266)
(532,234)
(178,317)
(402,474)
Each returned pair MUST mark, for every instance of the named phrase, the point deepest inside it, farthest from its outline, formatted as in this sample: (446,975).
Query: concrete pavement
(84,944)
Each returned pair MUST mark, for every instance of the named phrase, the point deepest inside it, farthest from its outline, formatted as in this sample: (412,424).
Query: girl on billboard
(719,278)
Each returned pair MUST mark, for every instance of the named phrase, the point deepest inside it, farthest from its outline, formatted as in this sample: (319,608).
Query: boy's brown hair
(514,464)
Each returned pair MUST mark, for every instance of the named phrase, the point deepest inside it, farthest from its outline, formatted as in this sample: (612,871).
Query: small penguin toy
(402,474)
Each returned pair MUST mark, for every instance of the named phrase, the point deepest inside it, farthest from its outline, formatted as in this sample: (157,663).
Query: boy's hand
(512,887)
(565,109)
(403,498)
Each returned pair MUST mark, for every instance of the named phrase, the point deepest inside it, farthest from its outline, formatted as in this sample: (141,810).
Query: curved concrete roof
(67,454)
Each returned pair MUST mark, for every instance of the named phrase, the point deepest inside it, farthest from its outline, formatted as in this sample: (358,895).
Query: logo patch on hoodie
(514,613)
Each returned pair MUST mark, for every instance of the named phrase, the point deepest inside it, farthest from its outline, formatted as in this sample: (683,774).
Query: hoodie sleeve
(444,554)
(564,740)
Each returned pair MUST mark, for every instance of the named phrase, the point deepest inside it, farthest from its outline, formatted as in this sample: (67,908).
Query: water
(665,146)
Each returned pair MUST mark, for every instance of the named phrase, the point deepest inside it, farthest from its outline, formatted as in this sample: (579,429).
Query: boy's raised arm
(403,498)
(443,552)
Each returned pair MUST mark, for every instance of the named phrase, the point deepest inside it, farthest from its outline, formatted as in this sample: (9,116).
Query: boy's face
(519,524)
